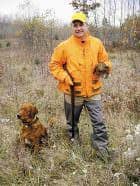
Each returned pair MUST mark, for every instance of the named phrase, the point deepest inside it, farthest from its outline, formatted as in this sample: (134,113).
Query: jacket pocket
(77,88)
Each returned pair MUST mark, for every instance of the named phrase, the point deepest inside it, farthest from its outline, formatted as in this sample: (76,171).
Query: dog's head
(27,112)
(101,68)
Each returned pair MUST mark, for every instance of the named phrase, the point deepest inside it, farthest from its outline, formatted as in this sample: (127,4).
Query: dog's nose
(18,116)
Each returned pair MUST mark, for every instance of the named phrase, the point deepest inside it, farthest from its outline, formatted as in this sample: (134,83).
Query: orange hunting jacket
(78,59)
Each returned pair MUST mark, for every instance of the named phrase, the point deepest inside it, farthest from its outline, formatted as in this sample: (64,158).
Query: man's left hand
(101,69)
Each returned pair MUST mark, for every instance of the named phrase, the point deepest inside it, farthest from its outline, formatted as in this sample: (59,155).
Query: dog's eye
(28,112)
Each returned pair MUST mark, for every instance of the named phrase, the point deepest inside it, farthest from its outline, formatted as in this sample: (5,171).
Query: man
(75,63)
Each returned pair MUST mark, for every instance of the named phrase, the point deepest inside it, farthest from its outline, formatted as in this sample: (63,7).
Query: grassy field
(26,78)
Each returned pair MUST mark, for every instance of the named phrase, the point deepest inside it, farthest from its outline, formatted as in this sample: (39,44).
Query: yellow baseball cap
(80,16)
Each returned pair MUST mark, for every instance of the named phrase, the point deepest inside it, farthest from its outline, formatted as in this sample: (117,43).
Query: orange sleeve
(103,57)
(58,59)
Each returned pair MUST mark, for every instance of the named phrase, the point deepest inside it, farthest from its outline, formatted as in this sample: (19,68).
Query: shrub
(8,44)
(34,32)
(37,61)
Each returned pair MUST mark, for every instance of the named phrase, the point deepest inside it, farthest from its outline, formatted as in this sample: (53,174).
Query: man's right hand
(68,80)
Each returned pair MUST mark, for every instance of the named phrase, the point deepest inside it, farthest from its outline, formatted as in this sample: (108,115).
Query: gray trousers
(99,135)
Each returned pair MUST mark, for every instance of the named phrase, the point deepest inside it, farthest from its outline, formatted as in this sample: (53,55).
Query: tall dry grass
(26,78)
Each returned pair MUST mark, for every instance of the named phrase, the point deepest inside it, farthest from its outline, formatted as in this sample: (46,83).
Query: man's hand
(68,80)
(101,69)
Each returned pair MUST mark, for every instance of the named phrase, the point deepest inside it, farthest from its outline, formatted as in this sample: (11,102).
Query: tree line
(116,22)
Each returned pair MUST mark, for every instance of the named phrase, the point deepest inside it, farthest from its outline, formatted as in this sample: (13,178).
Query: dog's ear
(34,111)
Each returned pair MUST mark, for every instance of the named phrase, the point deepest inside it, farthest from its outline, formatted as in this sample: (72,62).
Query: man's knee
(95,111)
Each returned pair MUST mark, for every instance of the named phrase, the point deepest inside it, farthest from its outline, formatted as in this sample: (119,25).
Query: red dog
(33,133)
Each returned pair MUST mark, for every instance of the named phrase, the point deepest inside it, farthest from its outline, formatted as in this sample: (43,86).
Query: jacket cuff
(108,64)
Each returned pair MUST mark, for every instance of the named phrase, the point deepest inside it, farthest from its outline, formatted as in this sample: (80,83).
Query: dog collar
(27,124)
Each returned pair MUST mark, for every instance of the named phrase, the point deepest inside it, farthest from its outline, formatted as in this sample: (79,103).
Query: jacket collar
(83,41)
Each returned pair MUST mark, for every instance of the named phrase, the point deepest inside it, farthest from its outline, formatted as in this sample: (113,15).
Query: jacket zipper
(85,67)
(84,52)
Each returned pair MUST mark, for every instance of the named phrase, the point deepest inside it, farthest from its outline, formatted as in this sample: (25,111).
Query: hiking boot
(75,140)
(104,155)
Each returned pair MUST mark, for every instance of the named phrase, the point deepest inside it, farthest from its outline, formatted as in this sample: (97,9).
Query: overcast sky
(62,8)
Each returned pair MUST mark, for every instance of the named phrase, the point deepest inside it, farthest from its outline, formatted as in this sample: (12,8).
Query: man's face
(79,28)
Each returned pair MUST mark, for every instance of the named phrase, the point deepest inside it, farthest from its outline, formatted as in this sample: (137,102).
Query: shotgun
(72,103)
(72,109)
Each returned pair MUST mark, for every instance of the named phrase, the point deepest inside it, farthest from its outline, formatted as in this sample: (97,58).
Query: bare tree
(84,5)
